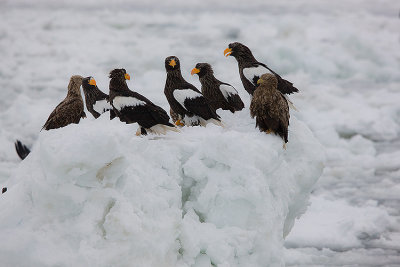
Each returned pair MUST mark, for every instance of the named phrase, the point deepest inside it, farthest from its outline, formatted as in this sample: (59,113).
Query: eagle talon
(268,131)
(179,123)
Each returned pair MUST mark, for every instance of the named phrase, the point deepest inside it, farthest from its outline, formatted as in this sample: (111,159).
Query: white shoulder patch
(249,73)
(227,90)
(120,102)
(102,106)
(182,95)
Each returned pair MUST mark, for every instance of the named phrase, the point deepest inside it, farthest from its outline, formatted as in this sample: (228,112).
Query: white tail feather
(162,129)
(214,121)
(290,103)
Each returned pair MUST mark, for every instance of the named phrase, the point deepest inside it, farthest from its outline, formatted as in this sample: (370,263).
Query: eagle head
(172,63)
(237,50)
(119,74)
(269,79)
(202,69)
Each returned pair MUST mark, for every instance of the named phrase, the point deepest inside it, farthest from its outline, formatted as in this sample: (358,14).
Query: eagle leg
(141,131)
(179,123)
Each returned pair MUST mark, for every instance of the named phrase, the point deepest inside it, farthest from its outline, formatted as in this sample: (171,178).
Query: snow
(342,55)
(119,102)
(110,197)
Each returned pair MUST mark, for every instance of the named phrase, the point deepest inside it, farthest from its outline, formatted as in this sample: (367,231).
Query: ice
(106,196)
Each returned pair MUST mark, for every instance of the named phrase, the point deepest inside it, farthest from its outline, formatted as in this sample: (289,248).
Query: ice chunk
(94,194)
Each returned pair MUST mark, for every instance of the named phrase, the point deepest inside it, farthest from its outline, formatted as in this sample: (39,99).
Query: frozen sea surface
(344,57)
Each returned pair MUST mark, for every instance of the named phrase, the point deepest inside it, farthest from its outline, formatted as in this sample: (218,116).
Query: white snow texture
(94,194)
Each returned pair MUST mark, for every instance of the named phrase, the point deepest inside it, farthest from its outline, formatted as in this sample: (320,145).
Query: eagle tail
(214,121)
(163,129)
(22,150)
(290,103)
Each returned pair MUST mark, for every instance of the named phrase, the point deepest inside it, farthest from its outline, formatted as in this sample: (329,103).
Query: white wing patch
(120,102)
(249,73)
(101,106)
(182,95)
(227,90)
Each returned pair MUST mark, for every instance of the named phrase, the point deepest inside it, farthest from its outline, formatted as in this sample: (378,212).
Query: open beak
(172,63)
(195,71)
(92,81)
(259,81)
(127,77)
(227,52)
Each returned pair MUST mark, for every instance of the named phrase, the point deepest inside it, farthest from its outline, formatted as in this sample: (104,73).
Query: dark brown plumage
(191,107)
(96,101)
(220,94)
(70,110)
(250,70)
(132,107)
(270,107)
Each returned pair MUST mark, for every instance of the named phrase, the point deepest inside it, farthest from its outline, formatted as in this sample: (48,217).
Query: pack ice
(94,194)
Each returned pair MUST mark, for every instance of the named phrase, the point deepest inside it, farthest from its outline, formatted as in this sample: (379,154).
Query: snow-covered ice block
(94,194)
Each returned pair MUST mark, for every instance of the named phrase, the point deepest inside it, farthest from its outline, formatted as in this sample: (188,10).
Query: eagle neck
(173,77)
(209,77)
(74,90)
(246,60)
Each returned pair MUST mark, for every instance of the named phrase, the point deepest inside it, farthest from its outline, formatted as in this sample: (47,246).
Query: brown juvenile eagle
(96,101)
(185,100)
(220,94)
(270,107)
(250,70)
(132,107)
(70,110)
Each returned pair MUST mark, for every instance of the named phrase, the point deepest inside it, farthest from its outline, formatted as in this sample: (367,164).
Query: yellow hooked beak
(227,52)
(92,81)
(172,63)
(127,77)
(195,71)
(259,81)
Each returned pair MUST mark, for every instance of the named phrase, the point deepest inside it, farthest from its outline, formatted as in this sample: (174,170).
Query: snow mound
(94,194)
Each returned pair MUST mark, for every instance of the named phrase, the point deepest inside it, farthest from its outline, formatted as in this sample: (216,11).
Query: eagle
(70,110)
(185,100)
(250,70)
(96,101)
(174,116)
(220,94)
(132,107)
(270,107)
